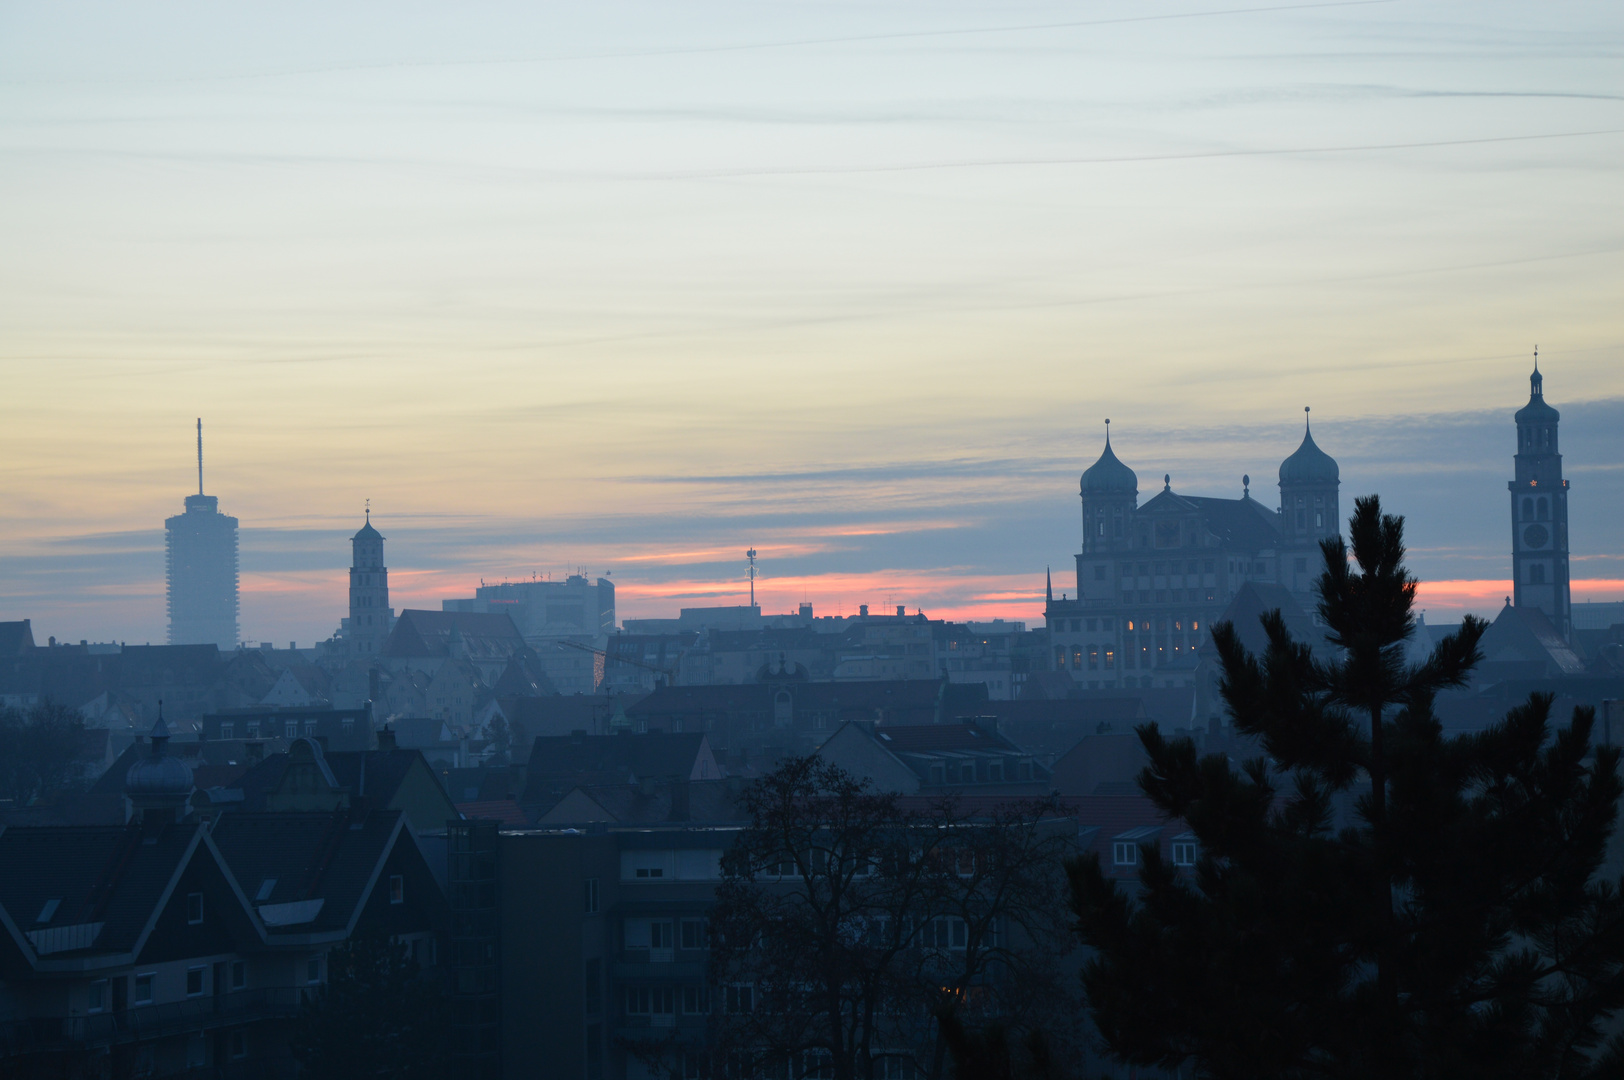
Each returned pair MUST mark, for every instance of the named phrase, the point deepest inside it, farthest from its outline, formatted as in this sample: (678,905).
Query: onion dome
(367,531)
(1309,464)
(158,773)
(1536,411)
(1108,475)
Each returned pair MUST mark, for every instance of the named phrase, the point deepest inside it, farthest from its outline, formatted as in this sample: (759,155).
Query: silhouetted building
(1539,513)
(1151,579)
(371,617)
(550,613)
(200,549)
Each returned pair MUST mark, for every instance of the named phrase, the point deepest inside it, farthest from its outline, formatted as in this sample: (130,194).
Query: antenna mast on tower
(751,555)
(200,455)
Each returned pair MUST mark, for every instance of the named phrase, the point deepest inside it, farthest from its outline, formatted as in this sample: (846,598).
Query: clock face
(1535,536)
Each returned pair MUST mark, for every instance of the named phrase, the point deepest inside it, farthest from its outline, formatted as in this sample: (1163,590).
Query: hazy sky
(633,287)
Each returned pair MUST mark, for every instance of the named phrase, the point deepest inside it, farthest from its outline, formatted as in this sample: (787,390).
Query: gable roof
(1241,523)
(108,883)
(560,762)
(287,859)
(432,634)
(1253,600)
(1525,635)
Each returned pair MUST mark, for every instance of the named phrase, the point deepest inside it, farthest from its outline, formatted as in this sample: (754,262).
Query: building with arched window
(1539,513)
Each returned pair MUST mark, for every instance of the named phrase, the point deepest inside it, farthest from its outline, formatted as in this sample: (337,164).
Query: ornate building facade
(1151,578)
(1539,513)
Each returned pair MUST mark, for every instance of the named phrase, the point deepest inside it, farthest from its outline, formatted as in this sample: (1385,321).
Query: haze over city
(636,287)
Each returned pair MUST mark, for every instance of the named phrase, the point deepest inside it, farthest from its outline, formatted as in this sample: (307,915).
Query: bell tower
(370,614)
(1539,512)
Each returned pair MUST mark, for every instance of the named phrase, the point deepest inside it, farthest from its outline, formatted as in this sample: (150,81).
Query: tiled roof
(926,738)
(504,810)
(309,856)
(113,875)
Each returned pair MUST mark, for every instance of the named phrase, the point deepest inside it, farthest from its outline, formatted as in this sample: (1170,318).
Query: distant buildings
(564,621)
(1151,579)
(200,550)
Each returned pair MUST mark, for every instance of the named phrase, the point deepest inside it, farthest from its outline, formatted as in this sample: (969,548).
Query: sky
(634,287)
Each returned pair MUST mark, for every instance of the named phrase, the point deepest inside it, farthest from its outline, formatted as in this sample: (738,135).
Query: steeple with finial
(370,616)
(1110,493)
(1310,486)
(1539,511)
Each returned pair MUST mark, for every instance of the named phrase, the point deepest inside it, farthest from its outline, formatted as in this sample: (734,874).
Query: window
(96,999)
(945,933)
(650,871)
(695,934)
(1125,853)
(239,974)
(143,989)
(239,1044)
(253,729)
(313,970)
(1110,658)
(194,981)
(696,1000)
(397,889)
(227,729)
(591,899)
(197,1051)
(291,729)
(1536,574)
(194,908)
(1184,852)
(738,998)
(650,1000)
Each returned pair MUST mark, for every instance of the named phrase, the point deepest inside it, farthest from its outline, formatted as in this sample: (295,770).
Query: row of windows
(1536,509)
(100,996)
(1126,853)
(290,728)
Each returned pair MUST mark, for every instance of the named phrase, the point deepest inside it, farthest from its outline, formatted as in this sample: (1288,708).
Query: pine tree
(1456,928)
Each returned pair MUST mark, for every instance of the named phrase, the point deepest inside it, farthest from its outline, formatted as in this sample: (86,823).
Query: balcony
(46,1033)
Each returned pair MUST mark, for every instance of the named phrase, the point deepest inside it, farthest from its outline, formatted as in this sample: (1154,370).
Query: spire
(1246,486)
(1306,431)
(1048,584)
(200,455)
(1536,381)
(1167,481)
(160,732)
(1107,431)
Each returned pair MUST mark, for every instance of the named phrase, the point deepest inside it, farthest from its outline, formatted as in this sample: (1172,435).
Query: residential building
(915,759)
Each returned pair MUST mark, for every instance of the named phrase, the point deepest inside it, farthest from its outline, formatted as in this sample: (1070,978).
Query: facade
(1539,514)
(200,555)
(1151,578)
(371,617)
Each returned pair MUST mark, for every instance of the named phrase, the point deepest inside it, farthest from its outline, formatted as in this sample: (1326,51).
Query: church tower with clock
(1539,513)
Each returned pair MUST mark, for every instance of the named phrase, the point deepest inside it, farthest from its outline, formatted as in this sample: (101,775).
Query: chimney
(386,739)
(862,611)
(902,609)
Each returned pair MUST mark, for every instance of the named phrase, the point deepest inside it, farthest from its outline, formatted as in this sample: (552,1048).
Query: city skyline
(855,288)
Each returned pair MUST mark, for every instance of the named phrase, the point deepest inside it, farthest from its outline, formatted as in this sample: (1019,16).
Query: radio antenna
(200,455)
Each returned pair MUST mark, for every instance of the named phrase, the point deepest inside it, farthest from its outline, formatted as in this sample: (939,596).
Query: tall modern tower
(1539,512)
(201,554)
(370,616)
